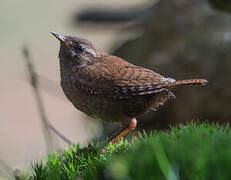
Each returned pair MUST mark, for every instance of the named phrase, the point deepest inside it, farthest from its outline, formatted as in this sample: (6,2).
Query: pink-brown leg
(131,126)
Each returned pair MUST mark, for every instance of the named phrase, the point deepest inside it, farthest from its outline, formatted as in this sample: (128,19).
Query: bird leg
(131,126)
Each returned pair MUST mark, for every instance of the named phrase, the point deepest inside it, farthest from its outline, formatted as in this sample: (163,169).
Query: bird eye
(78,48)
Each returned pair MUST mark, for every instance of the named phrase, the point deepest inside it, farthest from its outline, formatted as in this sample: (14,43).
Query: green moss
(187,152)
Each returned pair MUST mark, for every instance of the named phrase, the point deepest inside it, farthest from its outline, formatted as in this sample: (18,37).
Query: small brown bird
(109,88)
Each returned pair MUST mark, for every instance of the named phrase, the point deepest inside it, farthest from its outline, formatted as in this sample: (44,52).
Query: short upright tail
(188,82)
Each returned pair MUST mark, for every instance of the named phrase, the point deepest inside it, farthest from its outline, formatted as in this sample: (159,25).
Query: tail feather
(188,82)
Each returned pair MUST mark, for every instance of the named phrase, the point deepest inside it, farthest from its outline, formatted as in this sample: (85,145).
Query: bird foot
(89,148)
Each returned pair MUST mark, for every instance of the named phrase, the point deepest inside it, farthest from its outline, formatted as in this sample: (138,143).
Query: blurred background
(176,38)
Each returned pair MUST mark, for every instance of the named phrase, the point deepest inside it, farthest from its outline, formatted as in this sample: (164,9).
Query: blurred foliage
(222,5)
(195,151)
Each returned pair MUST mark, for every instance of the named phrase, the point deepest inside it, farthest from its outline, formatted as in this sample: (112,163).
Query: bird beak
(61,38)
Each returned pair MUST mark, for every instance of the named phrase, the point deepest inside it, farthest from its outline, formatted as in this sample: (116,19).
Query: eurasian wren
(109,88)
